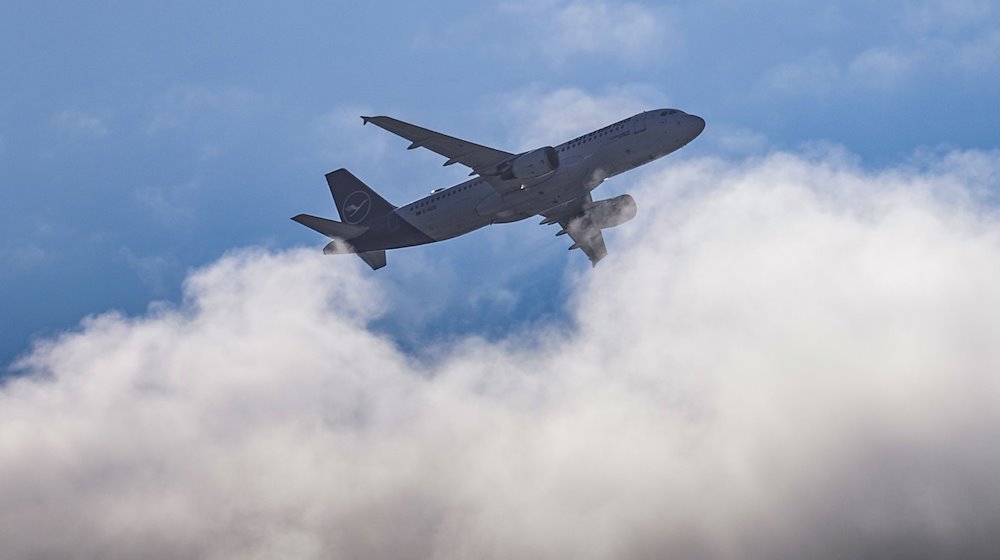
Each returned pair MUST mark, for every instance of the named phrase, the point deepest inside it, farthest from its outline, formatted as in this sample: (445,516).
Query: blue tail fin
(356,202)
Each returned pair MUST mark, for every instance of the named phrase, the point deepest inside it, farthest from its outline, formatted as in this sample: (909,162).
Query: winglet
(364,120)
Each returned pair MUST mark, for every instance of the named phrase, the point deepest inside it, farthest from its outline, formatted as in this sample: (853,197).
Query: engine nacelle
(611,212)
(532,165)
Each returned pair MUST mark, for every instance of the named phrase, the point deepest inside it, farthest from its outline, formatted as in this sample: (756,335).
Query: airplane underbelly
(445,223)
(531,201)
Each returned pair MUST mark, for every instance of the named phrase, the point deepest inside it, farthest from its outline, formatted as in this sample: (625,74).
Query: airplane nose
(696,125)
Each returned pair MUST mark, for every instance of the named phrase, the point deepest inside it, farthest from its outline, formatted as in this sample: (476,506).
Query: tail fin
(356,202)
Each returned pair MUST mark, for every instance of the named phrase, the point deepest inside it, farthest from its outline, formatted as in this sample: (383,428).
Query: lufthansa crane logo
(356,207)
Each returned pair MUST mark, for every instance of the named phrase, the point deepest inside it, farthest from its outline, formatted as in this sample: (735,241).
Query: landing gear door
(639,123)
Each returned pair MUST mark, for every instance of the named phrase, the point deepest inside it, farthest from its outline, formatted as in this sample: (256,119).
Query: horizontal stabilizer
(374,259)
(330,228)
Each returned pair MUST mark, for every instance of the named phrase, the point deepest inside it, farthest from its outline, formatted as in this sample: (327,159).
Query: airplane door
(639,123)
(393,221)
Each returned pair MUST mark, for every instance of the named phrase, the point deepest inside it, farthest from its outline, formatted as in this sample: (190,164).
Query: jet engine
(611,212)
(532,165)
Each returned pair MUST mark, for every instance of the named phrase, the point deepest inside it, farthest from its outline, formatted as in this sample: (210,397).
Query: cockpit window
(668,112)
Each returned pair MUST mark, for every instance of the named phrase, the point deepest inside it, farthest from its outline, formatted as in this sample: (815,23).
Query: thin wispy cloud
(813,75)
(882,69)
(946,16)
(152,270)
(77,122)
(168,204)
(931,41)
(22,258)
(176,107)
(785,357)
(981,54)
(537,116)
(629,32)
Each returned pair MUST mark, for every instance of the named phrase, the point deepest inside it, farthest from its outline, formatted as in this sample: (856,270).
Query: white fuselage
(585,162)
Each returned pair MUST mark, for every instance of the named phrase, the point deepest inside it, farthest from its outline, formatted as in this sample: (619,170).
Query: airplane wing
(481,159)
(586,236)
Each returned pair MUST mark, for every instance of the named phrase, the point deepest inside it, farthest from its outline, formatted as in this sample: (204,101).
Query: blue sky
(140,140)
(789,352)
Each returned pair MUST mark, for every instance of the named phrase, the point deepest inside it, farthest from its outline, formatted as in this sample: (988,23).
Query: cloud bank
(784,357)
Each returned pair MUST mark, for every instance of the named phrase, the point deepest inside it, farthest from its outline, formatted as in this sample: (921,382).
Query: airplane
(554,182)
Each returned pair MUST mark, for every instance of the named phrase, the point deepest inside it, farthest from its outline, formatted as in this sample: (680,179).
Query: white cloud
(152,270)
(24,257)
(949,16)
(177,106)
(536,118)
(812,75)
(784,357)
(980,54)
(628,31)
(881,68)
(76,122)
(169,204)
(937,41)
